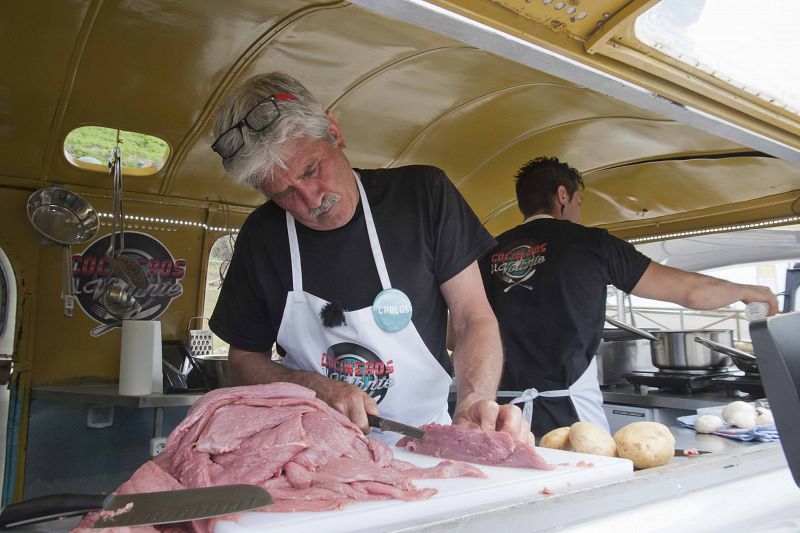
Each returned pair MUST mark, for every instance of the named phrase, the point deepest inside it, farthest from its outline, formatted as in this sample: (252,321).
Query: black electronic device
(777,344)
(181,373)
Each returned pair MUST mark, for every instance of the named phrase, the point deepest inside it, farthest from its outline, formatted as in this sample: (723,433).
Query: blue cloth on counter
(760,433)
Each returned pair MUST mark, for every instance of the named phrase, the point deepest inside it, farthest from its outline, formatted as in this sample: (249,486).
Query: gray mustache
(327,202)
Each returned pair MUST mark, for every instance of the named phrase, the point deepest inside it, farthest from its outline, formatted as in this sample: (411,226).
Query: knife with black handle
(143,508)
(385,424)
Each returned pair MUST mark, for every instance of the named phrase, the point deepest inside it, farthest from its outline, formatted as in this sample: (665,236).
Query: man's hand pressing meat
(348,399)
(487,415)
(478,361)
(248,368)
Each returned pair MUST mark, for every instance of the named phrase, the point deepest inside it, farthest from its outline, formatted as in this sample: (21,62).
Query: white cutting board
(455,495)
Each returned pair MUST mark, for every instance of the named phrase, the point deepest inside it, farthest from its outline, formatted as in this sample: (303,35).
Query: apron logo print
(518,264)
(359,366)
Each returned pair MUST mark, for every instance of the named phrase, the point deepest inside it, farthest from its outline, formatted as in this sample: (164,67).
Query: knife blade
(689,452)
(385,424)
(147,507)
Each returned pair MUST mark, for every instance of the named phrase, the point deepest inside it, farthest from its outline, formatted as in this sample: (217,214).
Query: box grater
(199,342)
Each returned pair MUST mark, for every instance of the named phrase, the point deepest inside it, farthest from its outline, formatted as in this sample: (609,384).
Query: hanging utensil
(122,266)
(63,218)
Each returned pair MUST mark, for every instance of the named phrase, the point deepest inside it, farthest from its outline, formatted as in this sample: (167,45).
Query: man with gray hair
(352,272)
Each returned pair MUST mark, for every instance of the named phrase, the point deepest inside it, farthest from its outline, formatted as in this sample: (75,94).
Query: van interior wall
(56,451)
(63,350)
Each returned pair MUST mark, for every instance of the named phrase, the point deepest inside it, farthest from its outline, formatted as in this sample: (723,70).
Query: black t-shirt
(546,281)
(427,232)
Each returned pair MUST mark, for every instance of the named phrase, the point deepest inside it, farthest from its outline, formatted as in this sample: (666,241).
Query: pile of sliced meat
(461,443)
(281,437)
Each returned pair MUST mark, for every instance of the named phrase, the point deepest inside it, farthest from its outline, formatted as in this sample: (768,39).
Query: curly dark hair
(537,183)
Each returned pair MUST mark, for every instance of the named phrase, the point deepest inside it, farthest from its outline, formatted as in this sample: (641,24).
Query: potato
(647,444)
(708,423)
(586,437)
(558,439)
(736,407)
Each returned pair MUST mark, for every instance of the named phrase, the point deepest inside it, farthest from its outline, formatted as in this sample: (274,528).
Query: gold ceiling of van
(403,95)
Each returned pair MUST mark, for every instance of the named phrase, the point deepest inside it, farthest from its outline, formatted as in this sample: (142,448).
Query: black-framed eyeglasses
(259,118)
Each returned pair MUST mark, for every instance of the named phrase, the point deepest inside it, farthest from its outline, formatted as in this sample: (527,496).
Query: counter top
(109,395)
(679,496)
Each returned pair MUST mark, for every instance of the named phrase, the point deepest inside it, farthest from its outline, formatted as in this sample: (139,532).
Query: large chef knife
(385,424)
(139,509)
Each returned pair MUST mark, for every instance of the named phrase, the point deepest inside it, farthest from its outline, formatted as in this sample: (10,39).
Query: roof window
(89,148)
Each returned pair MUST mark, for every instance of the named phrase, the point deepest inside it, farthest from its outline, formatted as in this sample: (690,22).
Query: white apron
(585,395)
(395,368)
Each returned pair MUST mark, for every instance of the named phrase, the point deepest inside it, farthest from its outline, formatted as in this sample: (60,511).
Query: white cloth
(585,395)
(416,388)
(761,433)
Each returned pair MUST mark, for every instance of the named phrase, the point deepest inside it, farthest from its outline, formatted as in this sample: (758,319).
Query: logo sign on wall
(91,272)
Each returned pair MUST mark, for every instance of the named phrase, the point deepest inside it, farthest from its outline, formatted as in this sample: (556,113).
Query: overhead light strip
(172,222)
(720,229)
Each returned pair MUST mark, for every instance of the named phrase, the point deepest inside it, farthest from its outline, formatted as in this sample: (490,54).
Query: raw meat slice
(493,448)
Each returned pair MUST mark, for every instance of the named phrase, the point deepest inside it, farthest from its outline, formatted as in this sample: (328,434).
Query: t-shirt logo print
(517,265)
(359,366)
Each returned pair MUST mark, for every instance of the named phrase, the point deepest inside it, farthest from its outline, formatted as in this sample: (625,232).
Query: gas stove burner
(747,383)
(681,381)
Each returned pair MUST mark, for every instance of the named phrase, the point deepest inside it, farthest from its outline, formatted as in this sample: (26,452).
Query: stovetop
(686,383)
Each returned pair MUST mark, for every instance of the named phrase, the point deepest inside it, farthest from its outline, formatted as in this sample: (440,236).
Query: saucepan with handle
(63,218)
(743,360)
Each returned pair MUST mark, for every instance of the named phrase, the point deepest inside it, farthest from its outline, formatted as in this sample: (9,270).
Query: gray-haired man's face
(317,187)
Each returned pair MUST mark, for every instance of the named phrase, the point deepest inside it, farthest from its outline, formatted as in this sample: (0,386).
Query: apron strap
(585,395)
(294,252)
(527,398)
(374,242)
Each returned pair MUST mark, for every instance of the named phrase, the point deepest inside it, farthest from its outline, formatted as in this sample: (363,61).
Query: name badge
(392,310)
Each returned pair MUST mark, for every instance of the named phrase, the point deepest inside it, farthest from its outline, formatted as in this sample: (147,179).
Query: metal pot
(215,369)
(622,350)
(615,358)
(746,362)
(677,350)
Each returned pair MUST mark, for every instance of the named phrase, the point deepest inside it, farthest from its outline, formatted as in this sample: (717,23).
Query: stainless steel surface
(172,506)
(676,350)
(616,358)
(631,329)
(384,424)
(743,360)
(108,395)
